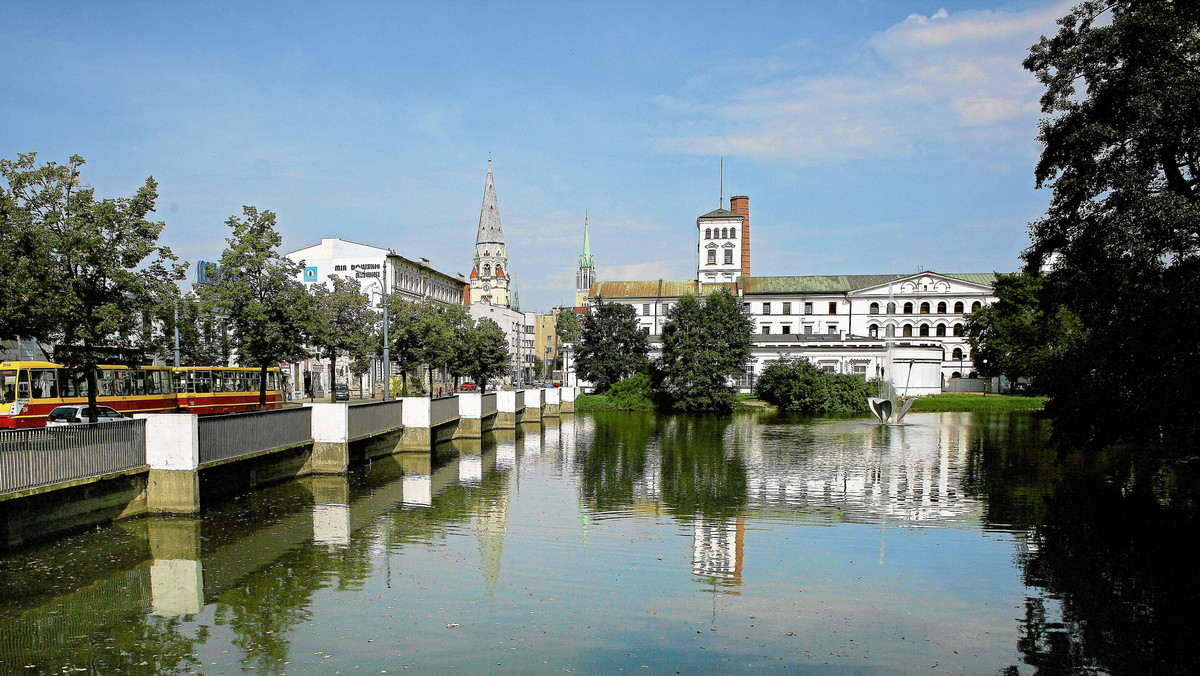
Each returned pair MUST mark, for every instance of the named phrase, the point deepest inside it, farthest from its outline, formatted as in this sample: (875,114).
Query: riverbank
(949,401)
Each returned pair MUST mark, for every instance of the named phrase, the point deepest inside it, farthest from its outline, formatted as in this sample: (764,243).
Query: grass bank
(605,402)
(953,401)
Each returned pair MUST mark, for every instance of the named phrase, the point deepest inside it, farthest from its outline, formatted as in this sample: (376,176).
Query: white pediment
(924,284)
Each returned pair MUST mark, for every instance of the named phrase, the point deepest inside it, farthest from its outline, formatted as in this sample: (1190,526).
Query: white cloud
(943,79)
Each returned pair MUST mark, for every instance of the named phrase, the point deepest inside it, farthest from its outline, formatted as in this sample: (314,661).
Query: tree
(1122,233)
(258,292)
(613,346)
(567,329)
(204,338)
(342,320)
(92,271)
(407,336)
(705,348)
(1009,334)
(448,329)
(486,352)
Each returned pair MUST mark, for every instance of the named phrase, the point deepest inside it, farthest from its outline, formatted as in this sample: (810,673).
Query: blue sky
(872,136)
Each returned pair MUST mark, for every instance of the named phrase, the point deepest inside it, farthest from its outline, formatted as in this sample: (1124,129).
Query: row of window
(907,330)
(720,233)
(959,308)
(808,330)
(712,257)
(787,308)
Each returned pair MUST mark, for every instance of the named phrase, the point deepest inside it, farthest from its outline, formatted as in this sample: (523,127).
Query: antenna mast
(721,199)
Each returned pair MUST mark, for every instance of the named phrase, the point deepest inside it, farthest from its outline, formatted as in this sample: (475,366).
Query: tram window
(272,381)
(107,387)
(137,383)
(202,381)
(243,381)
(166,382)
(253,383)
(44,383)
(181,382)
(8,384)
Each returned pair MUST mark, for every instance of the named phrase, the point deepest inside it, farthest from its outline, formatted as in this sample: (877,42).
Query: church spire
(585,258)
(490,230)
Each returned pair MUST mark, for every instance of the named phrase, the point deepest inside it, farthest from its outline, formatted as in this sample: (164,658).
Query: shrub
(797,385)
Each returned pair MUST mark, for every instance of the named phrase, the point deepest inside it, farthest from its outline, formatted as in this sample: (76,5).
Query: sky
(871,136)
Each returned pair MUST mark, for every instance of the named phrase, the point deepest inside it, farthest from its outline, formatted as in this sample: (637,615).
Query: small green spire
(585,258)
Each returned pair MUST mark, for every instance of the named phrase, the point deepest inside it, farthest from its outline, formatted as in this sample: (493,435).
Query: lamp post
(387,357)
(987,379)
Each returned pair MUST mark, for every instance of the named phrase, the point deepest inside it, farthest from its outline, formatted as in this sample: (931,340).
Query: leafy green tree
(204,338)
(342,320)
(1008,333)
(267,307)
(1122,156)
(447,351)
(96,266)
(612,345)
(406,333)
(567,327)
(705,348)
(486,353)
(798,385)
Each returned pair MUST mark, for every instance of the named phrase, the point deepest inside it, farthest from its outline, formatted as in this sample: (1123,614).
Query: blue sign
(207,272)
(310,274)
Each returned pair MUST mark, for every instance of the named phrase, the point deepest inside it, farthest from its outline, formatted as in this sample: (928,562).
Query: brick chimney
(740,204)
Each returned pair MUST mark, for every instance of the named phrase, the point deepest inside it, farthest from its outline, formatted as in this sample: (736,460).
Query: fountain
(887,407)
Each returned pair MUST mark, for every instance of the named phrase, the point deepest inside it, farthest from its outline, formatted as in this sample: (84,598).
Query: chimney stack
(740,204)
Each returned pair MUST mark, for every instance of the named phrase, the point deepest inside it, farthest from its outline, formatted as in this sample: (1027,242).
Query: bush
(797,385)
(630,394)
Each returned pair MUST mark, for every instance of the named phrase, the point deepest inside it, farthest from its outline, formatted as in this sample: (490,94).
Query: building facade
(905,328)
(379,272)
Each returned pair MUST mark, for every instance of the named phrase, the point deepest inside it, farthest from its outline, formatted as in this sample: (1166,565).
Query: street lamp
(387,357)
(987,379)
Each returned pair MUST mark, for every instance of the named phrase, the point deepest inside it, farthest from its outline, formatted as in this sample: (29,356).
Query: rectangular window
(766,308)
(833,308)
(646,309)
(808,308)
(808,329)
(746,307)
(729,257)
(787,328)
(787,308)
(766,330)
(832,330)
(712,256)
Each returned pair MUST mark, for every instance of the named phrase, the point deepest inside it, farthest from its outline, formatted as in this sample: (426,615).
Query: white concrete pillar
(331,438)
(173,454)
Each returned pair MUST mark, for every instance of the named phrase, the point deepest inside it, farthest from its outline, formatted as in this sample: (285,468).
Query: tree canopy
(612,345)
(798,385)
(81,273)
(260,295)
(1121,237)
(705,347)
(485,353)
(343,322)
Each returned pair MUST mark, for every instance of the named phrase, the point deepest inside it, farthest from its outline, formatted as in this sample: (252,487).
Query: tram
(29,390)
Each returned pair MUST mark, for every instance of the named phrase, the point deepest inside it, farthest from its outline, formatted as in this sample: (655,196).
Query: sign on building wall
(310,274)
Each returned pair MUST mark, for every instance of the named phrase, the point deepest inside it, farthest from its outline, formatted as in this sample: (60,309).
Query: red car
(467,387)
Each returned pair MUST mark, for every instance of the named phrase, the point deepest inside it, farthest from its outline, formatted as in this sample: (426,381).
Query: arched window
(924,330)
(957,355)
(942,308)
(733,233)
(708,233)
(873,331)
(958,308)
(908,307)
(958,329)
(891,331)
(724,233)
(487,270)
(925,308)
(874,308)
(956,374)
(975,306)
(941,329)
(891,308)
(908,331)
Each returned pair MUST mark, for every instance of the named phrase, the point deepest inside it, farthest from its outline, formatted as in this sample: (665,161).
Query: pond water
(956,543)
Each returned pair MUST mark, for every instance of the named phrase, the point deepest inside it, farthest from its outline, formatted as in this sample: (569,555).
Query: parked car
(77,414)
(341,392)
(468,387)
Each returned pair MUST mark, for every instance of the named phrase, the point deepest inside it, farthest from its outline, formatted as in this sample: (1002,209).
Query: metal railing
(223,437)
(443,410)
(365,420)
(50,455)
(488,405)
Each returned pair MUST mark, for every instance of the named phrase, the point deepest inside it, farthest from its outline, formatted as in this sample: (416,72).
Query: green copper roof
(585,258)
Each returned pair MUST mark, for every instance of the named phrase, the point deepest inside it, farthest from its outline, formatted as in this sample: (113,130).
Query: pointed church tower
(585,276)
(489,283)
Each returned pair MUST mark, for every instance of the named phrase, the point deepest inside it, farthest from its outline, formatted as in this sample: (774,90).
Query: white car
(76,414)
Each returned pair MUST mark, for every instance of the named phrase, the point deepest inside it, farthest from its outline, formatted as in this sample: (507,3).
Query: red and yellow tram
(29,390)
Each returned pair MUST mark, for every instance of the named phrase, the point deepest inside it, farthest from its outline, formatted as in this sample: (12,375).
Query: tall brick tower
(740,204)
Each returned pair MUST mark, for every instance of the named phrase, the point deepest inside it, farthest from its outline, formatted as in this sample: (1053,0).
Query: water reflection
(588,538)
